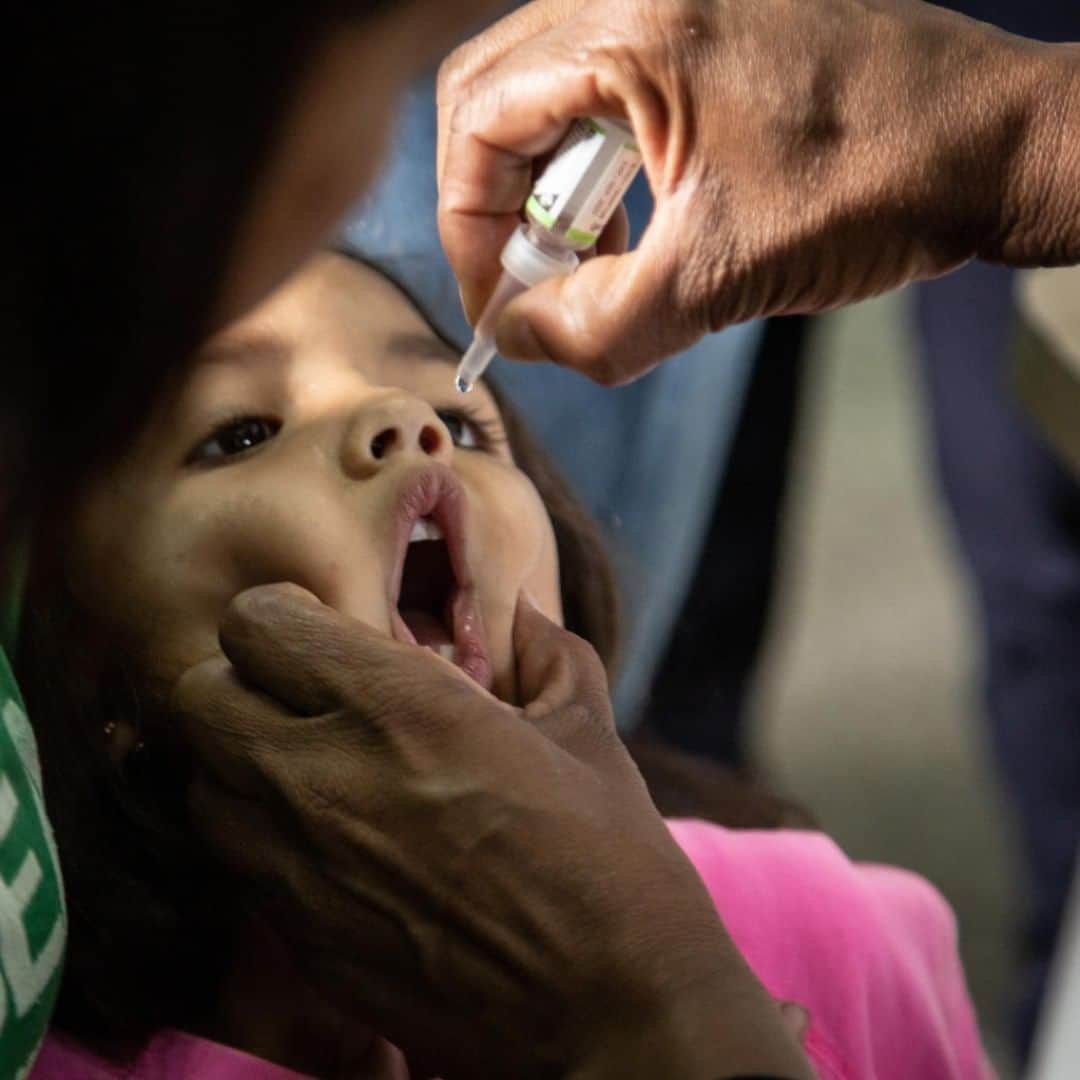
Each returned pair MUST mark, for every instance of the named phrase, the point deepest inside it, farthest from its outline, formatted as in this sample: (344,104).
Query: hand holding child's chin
(454,869)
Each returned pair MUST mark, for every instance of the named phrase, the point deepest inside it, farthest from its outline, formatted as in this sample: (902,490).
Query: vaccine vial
(571,203)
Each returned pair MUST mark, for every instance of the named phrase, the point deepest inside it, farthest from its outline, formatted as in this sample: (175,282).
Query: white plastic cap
(530,264)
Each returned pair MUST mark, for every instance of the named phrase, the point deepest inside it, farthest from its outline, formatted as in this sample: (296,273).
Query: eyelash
(196,457)
(491,433)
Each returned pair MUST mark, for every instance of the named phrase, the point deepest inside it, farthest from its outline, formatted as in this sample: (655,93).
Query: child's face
(307,443)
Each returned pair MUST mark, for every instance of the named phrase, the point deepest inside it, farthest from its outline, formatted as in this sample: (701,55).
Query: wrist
(988,168)
(725,1026)
(1038,221)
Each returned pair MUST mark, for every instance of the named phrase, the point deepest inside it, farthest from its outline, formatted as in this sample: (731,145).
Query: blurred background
(867,704)
(850,567)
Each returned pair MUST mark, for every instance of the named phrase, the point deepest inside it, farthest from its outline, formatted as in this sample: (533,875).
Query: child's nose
(394,429)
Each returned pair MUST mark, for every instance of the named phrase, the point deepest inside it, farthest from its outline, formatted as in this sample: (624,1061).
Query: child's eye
(235,437)
(466,432)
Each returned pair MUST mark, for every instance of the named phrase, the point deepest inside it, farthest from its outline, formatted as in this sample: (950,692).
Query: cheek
(167,582)
(513,546)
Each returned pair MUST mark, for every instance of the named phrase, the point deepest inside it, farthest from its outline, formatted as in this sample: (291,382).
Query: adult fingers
(615,317)
(615,239)
(312,659)
(225,722)
(476,55)
(515,111)
(561,681)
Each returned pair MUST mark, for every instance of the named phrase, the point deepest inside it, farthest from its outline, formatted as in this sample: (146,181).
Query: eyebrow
(258,349)
(412,343)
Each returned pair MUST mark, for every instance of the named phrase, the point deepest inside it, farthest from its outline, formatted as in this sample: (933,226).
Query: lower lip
(470,648)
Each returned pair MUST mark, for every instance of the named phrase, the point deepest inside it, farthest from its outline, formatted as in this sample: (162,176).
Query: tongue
(426,628)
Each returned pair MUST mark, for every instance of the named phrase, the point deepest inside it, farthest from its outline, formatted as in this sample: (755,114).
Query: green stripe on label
(539,214)
(581,237)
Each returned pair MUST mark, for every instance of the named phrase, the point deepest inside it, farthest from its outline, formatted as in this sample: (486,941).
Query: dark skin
(271,766)
(464,928)
(802,156)
(864,143)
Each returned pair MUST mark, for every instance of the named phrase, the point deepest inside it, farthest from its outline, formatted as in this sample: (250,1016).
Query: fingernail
(796,1017)
(515,338)
(297,593)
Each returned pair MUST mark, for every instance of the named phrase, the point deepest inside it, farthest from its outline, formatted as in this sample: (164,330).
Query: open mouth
(427,589)
(434,598)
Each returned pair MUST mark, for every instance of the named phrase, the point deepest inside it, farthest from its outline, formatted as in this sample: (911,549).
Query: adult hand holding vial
(801,156)
(567,212)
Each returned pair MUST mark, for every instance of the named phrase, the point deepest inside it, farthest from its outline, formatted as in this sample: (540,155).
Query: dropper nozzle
(474,363)
(525,262)
(482,350)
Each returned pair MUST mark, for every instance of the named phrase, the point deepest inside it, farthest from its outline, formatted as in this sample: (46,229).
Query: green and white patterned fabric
(33,922)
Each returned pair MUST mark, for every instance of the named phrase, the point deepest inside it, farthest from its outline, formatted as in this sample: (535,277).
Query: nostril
(430,439)
(382,442)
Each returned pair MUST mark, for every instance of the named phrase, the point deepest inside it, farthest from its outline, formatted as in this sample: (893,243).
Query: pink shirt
(868,951)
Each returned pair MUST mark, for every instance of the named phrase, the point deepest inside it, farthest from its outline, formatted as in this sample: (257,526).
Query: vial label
(583,184)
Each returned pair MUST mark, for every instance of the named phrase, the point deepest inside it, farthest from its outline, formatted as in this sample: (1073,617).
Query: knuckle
(607,372)
(586,722)
(590,353)
(320,799)
(597,703)
(576,717)
(453,75)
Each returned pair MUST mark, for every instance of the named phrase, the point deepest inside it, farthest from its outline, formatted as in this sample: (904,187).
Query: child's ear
(119,709)
(123,739)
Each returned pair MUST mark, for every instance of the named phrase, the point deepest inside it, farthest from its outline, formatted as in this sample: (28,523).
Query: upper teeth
(425,529)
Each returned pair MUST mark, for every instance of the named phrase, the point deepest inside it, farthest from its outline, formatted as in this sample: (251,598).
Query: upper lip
(435,493)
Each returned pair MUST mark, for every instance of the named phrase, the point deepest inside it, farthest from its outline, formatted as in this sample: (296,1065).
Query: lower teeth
(447,651)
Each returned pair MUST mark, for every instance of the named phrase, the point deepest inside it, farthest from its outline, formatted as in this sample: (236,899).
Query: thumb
(555,668)
(796,1019)
(616,316)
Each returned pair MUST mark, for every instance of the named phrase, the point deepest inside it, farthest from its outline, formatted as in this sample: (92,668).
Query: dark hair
(148,907)
(151,913)
(140,139)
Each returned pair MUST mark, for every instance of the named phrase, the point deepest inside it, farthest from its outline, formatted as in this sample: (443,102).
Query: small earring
(109,728)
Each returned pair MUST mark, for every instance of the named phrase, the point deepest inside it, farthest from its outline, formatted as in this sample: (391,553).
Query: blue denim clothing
(646,459)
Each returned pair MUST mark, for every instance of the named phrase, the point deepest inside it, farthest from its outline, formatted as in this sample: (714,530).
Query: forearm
(729,1028)
(1039,219)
